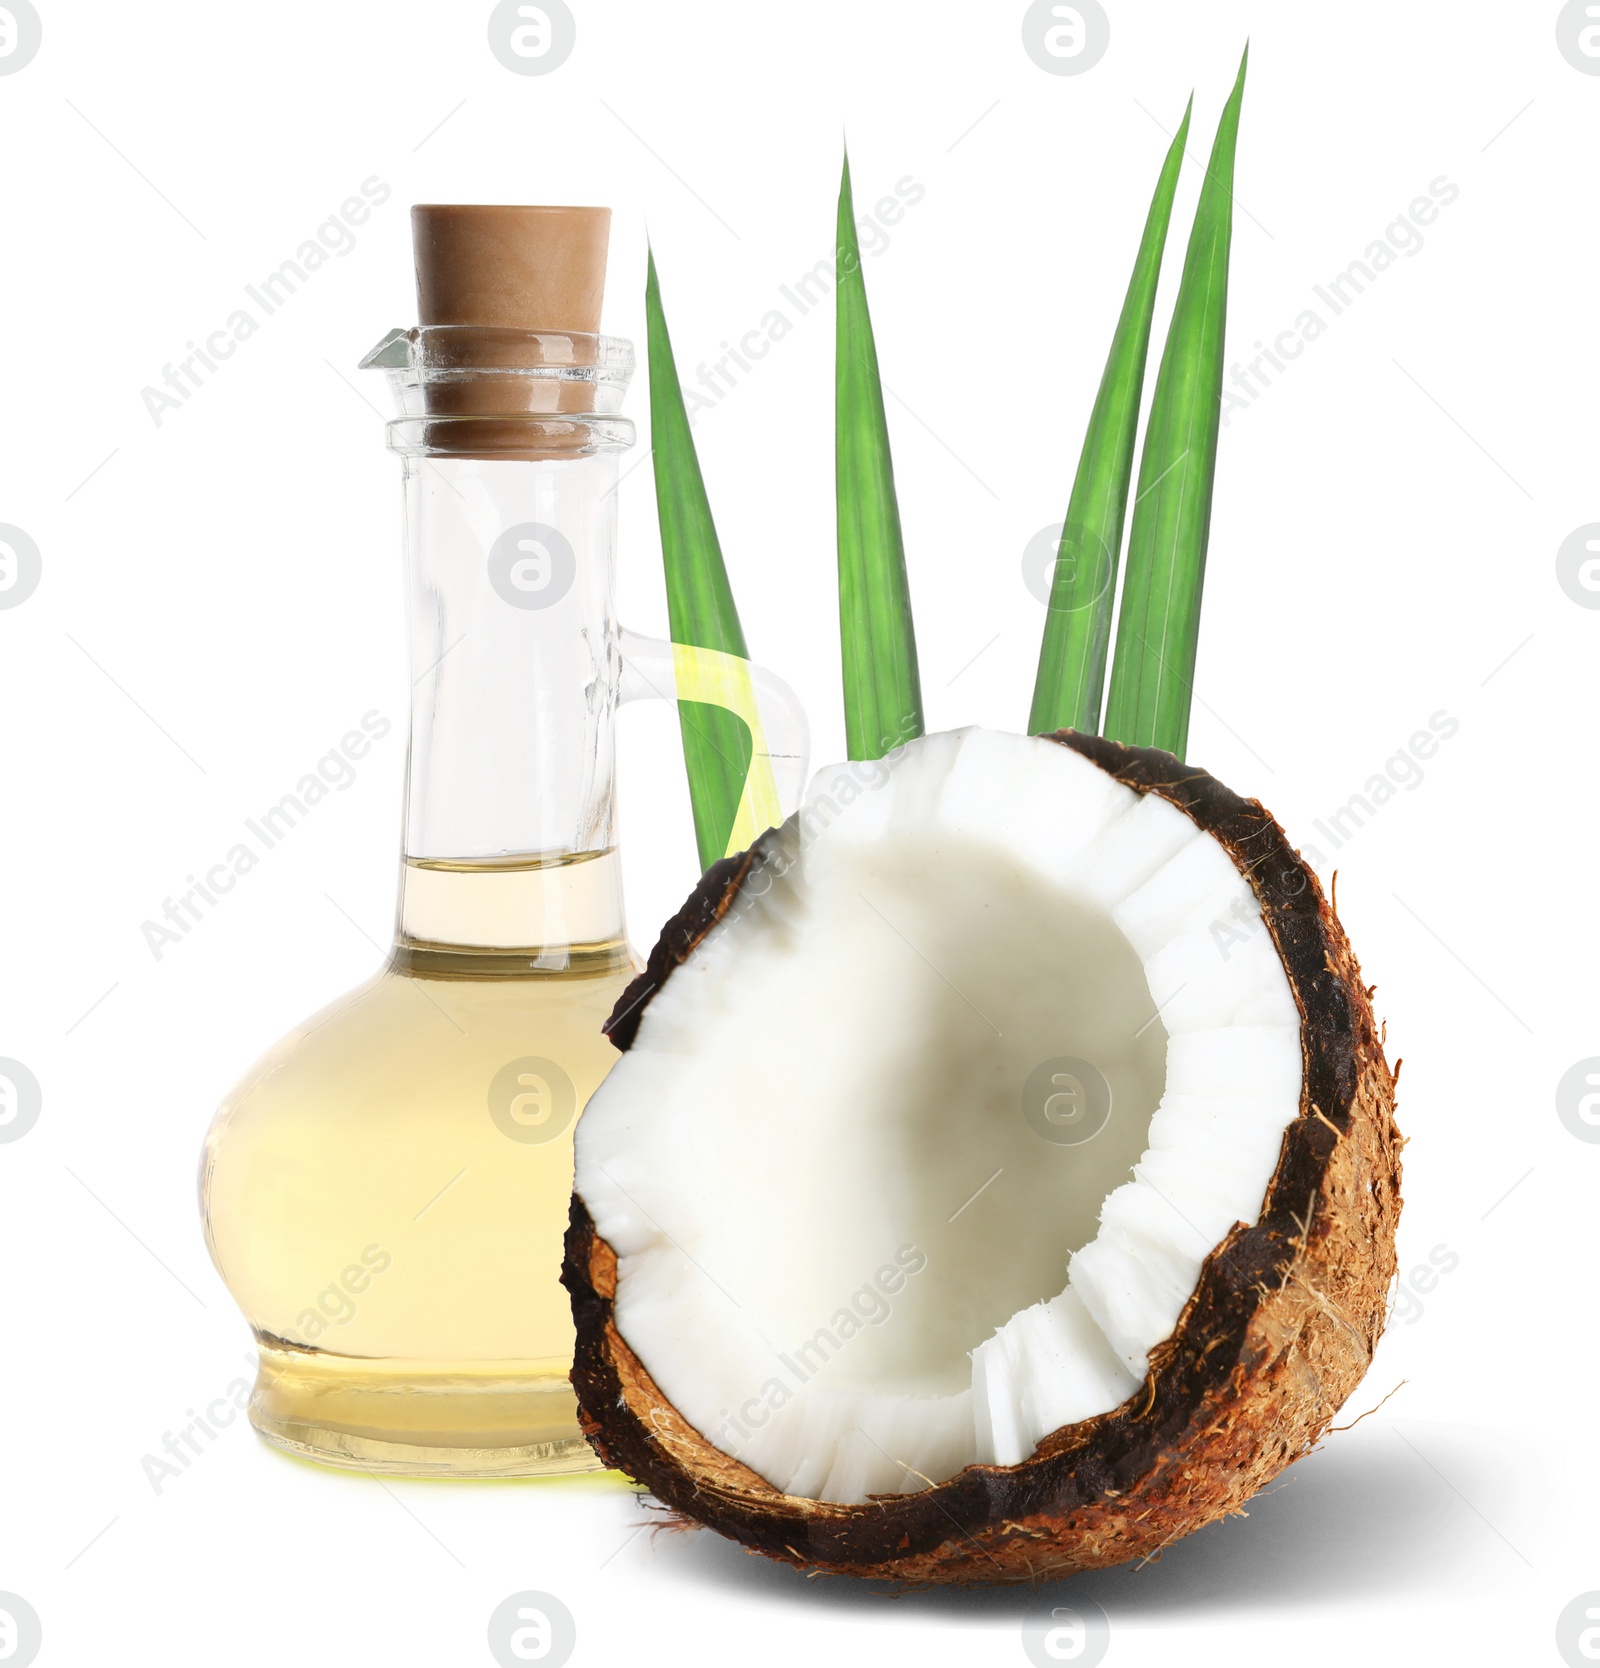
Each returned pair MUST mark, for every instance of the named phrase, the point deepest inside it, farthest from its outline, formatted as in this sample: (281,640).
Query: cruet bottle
(386,1191)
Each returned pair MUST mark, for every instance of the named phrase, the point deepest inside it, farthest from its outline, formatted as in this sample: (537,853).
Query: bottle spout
(483,391)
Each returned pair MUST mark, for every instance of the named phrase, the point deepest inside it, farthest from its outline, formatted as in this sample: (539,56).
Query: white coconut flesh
(873,1219)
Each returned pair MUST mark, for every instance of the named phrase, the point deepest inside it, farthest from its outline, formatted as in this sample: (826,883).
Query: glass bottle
(386,1192)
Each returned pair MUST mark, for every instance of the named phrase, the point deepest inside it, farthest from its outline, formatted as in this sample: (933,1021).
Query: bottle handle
(780,753)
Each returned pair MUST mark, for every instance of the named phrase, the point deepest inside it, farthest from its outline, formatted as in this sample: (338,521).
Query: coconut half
(1000,1179)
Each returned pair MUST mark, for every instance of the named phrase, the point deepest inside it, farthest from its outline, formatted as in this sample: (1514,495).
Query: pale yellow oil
(386,1196)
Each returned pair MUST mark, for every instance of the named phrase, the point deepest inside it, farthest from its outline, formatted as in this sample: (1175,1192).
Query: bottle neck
(509,846)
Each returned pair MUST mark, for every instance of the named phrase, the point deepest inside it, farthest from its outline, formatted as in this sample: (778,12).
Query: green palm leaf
(717,744)
(1152,676)
(1077,628)
(882,690)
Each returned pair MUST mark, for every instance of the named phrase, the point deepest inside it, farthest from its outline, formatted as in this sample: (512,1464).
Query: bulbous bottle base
(386,1197)
(419,1418)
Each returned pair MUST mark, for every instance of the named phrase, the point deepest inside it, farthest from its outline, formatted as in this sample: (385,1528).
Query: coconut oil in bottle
(387,1190)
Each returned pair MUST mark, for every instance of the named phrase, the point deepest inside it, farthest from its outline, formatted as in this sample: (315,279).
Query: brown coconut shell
(1278,1333)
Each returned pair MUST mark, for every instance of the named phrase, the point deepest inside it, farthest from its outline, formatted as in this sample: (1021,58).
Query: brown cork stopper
(512,267)
(493,268)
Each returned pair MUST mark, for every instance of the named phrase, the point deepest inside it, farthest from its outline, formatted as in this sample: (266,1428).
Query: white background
(220,601)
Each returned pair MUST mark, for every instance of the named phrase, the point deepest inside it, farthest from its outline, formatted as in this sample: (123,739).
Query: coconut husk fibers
(1277,1334)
